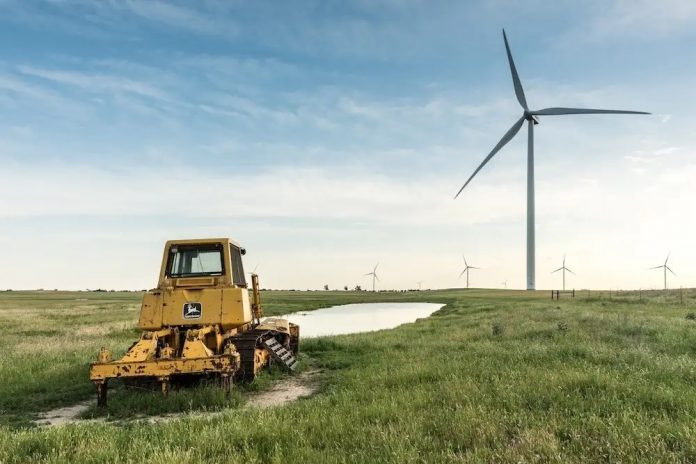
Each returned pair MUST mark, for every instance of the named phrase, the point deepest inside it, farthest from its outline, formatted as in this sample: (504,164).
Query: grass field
(492,377)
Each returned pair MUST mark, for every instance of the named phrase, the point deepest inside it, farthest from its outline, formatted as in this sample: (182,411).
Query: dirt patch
(282,392)
(62,416)
(287,390)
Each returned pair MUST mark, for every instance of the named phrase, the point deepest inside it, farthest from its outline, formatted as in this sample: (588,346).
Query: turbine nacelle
(529,116)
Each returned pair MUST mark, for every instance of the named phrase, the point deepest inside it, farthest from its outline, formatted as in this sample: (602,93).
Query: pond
(354,318)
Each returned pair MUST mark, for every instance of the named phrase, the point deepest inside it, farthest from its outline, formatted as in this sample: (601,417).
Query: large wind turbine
(665,268)
(564,269)
(466,271)
(374,276)
(531,116)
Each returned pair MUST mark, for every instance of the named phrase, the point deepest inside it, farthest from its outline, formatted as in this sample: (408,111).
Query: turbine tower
(420,282)
(531,116)
(466,270)
(374,276)
(564,269)
(665,268)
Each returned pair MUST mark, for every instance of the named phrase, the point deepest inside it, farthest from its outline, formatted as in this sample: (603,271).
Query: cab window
(237,267)
(195,261)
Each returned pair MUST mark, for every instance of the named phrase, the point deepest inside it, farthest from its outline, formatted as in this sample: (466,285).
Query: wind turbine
(665,268)
(374,276)
(466,270)
(420,282)
(531,116)
(564,269)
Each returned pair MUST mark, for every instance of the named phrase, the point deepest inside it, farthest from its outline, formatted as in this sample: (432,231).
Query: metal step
(280,353)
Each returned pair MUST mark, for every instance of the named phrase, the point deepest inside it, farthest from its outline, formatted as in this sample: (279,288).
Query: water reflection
(354,318)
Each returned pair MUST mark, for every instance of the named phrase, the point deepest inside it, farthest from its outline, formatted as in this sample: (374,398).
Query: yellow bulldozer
(200,321)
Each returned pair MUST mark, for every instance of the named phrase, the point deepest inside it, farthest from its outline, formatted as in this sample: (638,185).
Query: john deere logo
(192,310)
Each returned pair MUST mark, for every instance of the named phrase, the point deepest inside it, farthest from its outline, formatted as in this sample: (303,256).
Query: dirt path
(283,392)
(287,391)
(61,416)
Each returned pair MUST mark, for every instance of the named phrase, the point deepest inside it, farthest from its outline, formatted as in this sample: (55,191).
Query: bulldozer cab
(201,282)
(201,262)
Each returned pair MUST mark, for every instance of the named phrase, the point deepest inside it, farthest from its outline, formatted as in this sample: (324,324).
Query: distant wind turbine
(254,271)
(466,270)
(665,268)
(419,285)
(374,276)
(531,116)
(564,269)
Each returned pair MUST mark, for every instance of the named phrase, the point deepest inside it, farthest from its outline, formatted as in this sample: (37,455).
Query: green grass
(492,377)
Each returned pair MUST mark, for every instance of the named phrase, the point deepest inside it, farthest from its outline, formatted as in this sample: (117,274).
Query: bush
(691,316)
(498,329)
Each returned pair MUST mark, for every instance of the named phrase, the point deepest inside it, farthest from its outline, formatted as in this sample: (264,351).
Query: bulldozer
(200,321)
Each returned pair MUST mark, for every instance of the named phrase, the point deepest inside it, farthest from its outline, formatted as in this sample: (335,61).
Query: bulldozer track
(280,353)
(247,343)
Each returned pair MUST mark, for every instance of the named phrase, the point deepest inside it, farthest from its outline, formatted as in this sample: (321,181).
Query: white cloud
(666,151)
(646,17)
(96,82)
(605,222)
(277,193)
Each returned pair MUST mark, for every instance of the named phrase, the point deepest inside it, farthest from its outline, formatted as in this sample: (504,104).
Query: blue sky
(328,136)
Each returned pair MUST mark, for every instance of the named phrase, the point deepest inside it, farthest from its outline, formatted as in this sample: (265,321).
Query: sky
(328,136)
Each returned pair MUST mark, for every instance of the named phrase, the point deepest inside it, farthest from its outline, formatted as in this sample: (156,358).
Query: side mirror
(242,251)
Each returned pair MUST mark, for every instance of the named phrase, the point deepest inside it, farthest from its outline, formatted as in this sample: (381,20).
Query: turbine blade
(559,269)
(473,267)
(569,271)
(506,138)
(560,111)
(376,277)
(519,92)
(462,273)
(668,255)
(670,270)
(375,269)
(656,267)
(465,263)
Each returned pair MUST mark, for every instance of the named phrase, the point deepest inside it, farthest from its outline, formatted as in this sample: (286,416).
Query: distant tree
(326,287)
(345,288)
(357,288)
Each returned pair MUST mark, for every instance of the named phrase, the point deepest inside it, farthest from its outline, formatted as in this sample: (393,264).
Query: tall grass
(492,377)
